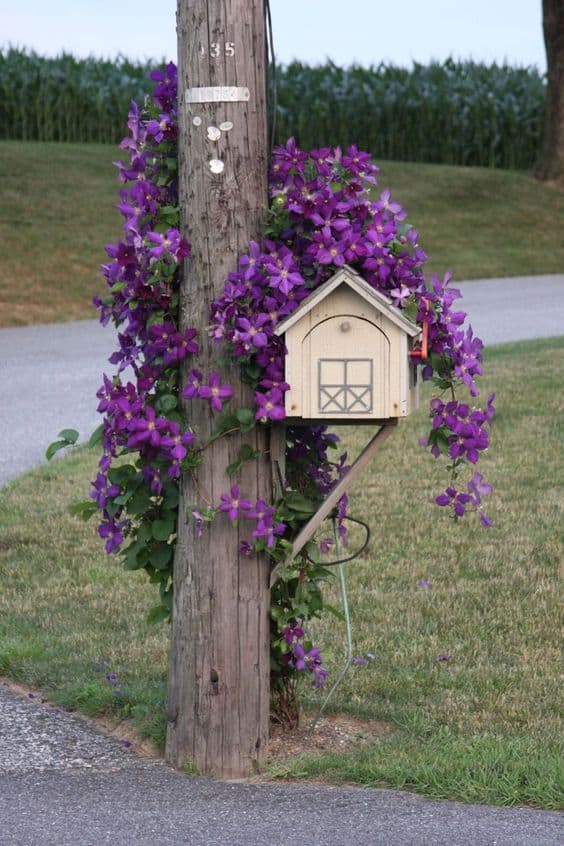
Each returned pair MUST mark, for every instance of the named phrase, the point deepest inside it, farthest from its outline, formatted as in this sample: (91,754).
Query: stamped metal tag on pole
(217,94)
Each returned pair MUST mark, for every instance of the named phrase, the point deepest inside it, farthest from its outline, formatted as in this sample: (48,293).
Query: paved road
(64,783)
(49,374)
(520,309)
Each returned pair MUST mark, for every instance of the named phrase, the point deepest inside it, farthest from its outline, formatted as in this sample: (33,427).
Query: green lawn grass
(482,726)
(57,210)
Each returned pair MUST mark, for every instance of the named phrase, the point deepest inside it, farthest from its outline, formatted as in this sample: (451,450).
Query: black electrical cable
(273,86)
(358,552)
(272,74)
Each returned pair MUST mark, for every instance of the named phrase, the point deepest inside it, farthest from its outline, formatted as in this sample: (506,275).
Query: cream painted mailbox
(348,355)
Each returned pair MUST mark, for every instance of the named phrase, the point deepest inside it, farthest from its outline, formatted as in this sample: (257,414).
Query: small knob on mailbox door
(345,326)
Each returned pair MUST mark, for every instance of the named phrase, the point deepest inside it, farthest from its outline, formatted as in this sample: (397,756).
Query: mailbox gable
(348,354)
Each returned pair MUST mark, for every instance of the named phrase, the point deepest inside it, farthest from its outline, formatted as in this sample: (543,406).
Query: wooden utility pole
(218,703)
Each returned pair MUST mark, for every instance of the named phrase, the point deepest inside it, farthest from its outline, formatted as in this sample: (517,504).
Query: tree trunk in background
(551,165)
(218,706)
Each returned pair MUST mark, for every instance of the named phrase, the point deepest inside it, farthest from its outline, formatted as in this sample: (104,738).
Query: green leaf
(246,417)
(160,555)
(286,574)
(439,437)
(226,421)
(156,318)
(296,502)
(85,510)
(169,214)
(251,374)
(247,453)
(158,614)
(131,560)
(68,437)
(312,552)
(162,529)
(96,436)
(166,594)
(166,403)
(155,576)
(234,467)
(442,384)
(123,475)
(144,533)
(112,507)
(334,611)
(54,448)
(123,498)
(171,495)
(410,310)
(140,501)
(174,415)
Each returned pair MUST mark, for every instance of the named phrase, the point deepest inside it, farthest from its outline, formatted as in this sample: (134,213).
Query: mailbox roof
(347,276)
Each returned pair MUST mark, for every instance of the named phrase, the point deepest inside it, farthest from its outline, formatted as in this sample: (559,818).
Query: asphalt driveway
(64,783)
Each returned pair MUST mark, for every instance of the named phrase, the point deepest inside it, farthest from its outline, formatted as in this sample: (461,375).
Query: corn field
(452,112)
(67,99)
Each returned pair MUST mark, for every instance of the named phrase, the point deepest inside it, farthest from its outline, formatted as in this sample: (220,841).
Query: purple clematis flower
(176,443)
(102,490)
(270,532)
(112,532)
(233,504)
(251,332)
(270,406)
(215,392)
(169,242)
(147,430)
(193,385)
(283,275)
(261,512)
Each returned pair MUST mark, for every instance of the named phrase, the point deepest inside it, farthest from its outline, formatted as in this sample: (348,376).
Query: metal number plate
(218,94)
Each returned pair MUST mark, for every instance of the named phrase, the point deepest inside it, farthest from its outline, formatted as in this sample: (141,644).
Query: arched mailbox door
(342,374)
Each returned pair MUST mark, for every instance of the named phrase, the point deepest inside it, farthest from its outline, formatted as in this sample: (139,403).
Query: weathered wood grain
(218,704)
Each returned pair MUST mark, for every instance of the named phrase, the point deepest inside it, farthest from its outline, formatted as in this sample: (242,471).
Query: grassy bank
(57,210)
(466,666)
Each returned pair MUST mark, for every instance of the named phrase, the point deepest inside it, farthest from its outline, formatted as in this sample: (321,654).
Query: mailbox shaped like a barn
(348,357)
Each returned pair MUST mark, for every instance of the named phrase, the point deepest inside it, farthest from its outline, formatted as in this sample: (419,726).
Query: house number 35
(217,48)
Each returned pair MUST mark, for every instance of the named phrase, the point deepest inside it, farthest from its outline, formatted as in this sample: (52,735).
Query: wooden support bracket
(310,528)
